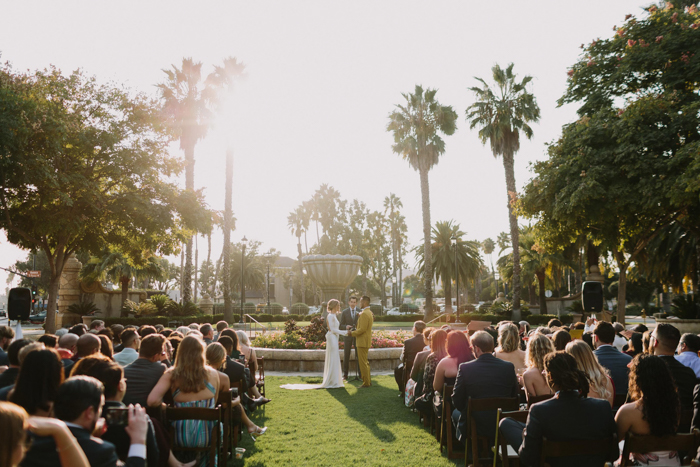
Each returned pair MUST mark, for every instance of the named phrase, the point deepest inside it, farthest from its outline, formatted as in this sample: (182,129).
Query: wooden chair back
(501,447)
(685,442)
(578,447)
(447,434)
(260,383)
(225,401)
(535,399)
(174,414)
(482,405)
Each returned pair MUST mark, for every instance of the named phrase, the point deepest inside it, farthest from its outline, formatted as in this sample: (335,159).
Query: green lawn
(339,427)
(376,325)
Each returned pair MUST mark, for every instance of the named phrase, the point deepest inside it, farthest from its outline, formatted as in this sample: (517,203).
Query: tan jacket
(363,334)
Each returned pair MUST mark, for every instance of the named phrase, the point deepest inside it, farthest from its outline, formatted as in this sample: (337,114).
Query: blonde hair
(243,338)
(13,420)
(216,355)
(332,305)
(508,338)
(538,347)
(587,362)
(190,372)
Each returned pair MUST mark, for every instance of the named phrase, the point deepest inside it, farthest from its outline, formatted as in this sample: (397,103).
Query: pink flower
(693,26)
(631,43)
(659,39)
(620,32)
(674,17)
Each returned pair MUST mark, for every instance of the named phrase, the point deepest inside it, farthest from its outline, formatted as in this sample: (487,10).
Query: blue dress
(195,433)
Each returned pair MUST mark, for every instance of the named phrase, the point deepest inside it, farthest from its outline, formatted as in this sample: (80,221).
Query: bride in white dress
(332,372)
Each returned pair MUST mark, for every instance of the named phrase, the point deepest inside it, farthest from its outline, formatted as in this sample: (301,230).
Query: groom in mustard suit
(363,339)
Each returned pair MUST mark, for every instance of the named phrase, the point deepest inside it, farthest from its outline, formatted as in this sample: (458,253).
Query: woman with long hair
(438,351)
(459,351)
(635,346)
(251,362)
(560,339)
(509,346)
(600,382)
(39,377)
(538,347)
(14,423)
(655,409)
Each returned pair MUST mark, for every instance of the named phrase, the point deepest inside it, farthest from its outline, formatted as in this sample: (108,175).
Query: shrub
(686,307)
(160,301)
(83,308)
(316,331)
(177,309)
(290,326)
(575,307)
(376,309)
(408,308)
(300,309)
(397,319)
(273,309)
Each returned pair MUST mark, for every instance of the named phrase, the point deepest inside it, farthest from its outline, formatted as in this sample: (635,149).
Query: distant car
(3,313)
(393,312)
(285,311)
(313,310)
(38,318)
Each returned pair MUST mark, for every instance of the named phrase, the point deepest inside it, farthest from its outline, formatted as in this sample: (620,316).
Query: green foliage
(273,309)
(686,307)
(398,319)
(177,309)
(575,307)
(300,309)
(160,302)
(139,309)
(408,308)
(83,308)
(315,331)
(376,309)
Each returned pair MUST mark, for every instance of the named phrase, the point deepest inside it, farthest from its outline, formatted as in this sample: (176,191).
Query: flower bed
(295,340)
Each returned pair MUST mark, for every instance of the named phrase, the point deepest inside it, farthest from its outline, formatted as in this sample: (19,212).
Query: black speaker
(592,296)
(19,303)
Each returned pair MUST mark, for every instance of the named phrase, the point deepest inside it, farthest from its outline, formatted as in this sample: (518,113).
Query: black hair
(635,344)
(692,341)
(13,350)
(587,337)
(78,330)
(651,381)
(38,381)
(640,328)
(562,371)
(76,395)
(49,340)
(109,373)
(554,322)
(234,337)
(146,329)
(668,335)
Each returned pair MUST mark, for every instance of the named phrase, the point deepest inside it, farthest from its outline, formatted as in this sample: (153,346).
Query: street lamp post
(496,276)
(393,291)
(291,289)
(244,243)
(454,245)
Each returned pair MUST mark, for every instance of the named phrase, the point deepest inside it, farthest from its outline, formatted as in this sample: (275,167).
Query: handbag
(410,393)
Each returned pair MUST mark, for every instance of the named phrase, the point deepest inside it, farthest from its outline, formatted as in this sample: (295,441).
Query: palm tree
(501,116)
(469,262)
(392,204)
(119,268)
(298,223)
(415,126)
(540,263)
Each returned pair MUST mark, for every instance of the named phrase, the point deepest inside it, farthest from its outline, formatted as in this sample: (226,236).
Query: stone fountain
(332,273)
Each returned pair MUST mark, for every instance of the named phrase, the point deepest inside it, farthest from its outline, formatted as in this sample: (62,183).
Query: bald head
(68,341)
(88,344)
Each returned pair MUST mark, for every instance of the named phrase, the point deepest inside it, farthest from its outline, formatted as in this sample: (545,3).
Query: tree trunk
(301,271)
(533,295)
(182,273)
(125,295)
(206,277)
(56,262)
(541,277)
(219,265)
(447,285)
(514,232)
(622,286)
(228,219)
(400,283)
(189,186)
(196,268)
(427,244)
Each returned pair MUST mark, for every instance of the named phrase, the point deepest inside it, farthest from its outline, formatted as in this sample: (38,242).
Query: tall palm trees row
(501,113)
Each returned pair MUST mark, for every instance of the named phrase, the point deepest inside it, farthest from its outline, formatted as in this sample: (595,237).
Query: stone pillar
(595,275)
(69,293)
(206,304)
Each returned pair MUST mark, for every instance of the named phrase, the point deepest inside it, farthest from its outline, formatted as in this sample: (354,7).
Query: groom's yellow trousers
(363,362)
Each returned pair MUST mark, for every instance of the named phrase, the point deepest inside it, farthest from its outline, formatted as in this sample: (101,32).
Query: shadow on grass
(362,406)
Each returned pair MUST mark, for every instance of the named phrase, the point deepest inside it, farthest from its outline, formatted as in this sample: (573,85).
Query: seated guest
(207,333)
(251,361)
(664,340)
(587,337)
(107,332)
(106,346)
(116,332)
(79,403)
(147,330)
(534,382)
(560,339)
(554,323)
(438,344)
(410,348)
(485,377)
(78,329)
(193,327)
(67,347)
(620,342)
(111,375)
(96,326)
(418,369)
(13,443)
(220,326)
(688,355)
(88,344)
(130,346)
(50,341)
(600,385)
(166,333)
(8,377)
(634,345)
(182,330)
(654,410)
(615,361)
(458,351)
(233,369)
(6,336)
(159,328)
(143,374)
(40,375)
(569,415)
(174,340)
(509,346)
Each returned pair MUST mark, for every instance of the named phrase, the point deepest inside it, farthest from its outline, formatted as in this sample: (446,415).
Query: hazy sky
(322,80)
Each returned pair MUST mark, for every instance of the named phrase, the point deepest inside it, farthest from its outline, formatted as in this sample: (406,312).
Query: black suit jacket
(122,442)
(141,376)
(616,362)
(411,348)
(485,377)
(9,377)
(346,320)
(234,370)
(564,417)
(99,453)
(685,381)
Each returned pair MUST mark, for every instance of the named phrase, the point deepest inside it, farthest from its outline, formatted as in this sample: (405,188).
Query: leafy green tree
(539,262)
(378,241)
(469,261)
(501,116)
(170,276)
(416,126)
(86,165)
(413,287)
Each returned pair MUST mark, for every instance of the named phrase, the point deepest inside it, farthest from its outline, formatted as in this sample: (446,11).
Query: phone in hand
(116,416)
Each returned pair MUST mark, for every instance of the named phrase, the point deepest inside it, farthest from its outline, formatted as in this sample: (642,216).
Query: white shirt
(691,360)
(126,356)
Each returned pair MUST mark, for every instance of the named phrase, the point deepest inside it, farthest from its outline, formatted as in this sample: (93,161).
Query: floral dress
(431,364)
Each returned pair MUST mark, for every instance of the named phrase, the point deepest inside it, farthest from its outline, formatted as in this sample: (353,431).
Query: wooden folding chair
(535,399)
(502,449)
(447,435)
(236,391)
(174,414)
(685,442)
(511,404)
(577,447)
(260,383)
(225,402)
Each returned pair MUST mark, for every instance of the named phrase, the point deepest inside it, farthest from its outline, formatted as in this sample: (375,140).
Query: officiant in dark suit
(349,318)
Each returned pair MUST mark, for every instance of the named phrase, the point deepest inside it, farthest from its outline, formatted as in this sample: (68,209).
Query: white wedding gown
(332,373)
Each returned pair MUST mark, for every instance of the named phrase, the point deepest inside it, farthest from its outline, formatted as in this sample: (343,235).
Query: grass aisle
(339,427)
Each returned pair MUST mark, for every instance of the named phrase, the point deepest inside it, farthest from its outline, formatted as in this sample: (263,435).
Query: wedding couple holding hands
(358,325)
